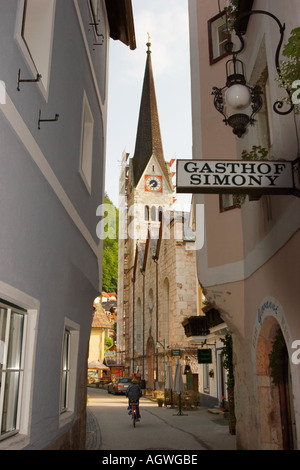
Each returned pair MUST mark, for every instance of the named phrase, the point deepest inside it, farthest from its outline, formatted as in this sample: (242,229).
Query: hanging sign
(175,352)
(204,356)
(235,176)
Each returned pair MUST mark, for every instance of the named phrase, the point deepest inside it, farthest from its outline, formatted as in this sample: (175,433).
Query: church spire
(148,139)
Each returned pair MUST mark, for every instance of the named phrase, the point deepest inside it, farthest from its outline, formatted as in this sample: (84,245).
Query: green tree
(110,251)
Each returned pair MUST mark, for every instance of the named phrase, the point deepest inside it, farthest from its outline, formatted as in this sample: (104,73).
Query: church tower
(146,191)
(150,188)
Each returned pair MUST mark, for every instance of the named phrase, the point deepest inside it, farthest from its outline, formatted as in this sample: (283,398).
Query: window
(264,117)
(86,157)
(35,36)
(166,311)
(153,213)
(218,36)
(12,333)
(95,14)
(65,371)
(150,303)
(138,325)
(229,201)
(146,212)
(160,214)
(70,346)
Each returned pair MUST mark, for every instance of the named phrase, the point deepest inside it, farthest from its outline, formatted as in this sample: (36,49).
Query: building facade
(157,272)
(249,265)
(54,57)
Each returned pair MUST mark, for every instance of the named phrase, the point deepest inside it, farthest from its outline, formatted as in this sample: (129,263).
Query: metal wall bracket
(33,80)
(99,43)
(46,120)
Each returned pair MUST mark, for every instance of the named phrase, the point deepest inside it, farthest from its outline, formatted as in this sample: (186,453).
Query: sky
(167,23)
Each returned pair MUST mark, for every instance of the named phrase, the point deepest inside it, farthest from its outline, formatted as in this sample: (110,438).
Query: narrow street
(110,427)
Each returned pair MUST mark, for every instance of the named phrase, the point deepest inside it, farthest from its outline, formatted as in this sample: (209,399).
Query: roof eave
(121,23)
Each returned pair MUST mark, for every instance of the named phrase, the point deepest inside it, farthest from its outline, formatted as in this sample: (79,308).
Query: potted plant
(231,13)
(223,406)
(211,373)
(160,402)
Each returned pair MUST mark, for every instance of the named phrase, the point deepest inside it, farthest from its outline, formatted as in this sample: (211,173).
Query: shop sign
(110,354)
(175,352)
(235,176)
(204,356)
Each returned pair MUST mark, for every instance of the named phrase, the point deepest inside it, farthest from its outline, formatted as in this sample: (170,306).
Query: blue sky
(167,23)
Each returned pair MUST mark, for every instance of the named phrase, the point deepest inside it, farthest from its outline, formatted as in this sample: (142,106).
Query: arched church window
(146,212)
(160,214)
(153,213)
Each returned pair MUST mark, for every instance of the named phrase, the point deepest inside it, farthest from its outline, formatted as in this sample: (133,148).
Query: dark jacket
(134,391)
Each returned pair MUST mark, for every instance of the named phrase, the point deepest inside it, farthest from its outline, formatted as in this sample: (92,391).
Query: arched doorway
(150,363)
(274,388)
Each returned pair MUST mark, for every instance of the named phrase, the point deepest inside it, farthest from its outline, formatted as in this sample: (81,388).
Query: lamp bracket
(27,80)
(279,103)
(47,120)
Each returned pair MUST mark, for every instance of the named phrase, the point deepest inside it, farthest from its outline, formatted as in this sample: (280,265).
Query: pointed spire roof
(148,139)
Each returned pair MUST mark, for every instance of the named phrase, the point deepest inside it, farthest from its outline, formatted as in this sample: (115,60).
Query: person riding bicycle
(134,392)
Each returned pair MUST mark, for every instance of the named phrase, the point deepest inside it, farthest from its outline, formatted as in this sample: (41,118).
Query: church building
(157,284)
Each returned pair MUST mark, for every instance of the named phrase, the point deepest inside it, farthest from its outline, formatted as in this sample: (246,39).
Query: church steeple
(148,139)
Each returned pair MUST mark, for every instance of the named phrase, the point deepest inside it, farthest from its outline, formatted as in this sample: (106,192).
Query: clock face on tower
(153,183)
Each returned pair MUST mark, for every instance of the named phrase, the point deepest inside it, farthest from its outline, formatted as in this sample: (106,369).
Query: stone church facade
(157,286)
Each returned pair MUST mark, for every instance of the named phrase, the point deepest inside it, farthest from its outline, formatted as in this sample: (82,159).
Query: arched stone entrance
(275,411)
(150,363)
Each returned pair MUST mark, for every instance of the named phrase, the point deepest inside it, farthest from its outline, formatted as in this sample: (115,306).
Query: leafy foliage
(110,252)
(108,343)
(257,153)
(227,362)
(290,69)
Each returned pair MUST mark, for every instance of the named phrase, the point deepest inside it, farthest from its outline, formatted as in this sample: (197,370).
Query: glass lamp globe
(237,96)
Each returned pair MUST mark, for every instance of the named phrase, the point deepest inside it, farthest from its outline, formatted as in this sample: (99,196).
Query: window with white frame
(229,201)
(95,10)
(70,346)
(65,376)
(35,36)
(138,325)
(86,157)
(218,36)
(13,322)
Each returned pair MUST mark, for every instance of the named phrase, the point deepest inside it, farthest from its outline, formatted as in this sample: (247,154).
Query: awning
(97,365)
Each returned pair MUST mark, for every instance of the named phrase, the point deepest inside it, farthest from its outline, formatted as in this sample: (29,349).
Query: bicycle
(134,412)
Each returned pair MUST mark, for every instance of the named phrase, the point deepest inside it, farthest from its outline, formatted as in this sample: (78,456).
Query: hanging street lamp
(236,97)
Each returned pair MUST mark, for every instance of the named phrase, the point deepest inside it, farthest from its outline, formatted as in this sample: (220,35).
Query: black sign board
(204,356)
(175,352)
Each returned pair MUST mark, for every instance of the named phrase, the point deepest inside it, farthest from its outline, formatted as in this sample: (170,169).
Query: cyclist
(134,392)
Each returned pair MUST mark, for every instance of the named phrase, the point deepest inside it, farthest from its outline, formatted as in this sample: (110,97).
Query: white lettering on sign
(229,176)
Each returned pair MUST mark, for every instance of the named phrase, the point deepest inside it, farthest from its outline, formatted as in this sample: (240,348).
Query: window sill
(65,418)
(15,442)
